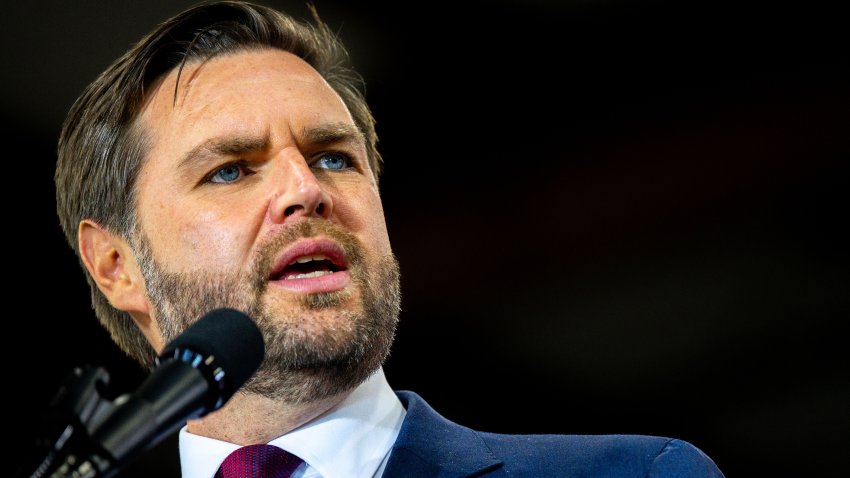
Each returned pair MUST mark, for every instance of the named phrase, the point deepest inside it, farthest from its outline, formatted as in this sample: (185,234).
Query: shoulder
(429,441)
(600,455)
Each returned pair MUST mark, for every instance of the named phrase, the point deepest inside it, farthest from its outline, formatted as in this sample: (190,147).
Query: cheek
(378,229)
(203,241)
(361,211)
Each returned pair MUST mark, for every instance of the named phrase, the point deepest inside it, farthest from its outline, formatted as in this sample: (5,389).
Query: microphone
(196,374)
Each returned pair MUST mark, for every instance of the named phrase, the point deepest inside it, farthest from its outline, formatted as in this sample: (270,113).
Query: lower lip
(313,285)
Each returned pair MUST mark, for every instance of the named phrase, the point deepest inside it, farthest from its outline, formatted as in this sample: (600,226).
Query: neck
(250,419)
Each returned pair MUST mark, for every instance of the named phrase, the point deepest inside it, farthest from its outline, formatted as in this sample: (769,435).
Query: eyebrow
(223,146)
(321,135)
(331,133)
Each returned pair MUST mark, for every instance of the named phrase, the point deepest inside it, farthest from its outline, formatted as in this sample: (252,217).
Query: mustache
(274,245)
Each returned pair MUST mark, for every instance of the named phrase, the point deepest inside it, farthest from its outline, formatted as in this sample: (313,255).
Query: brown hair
(101,147)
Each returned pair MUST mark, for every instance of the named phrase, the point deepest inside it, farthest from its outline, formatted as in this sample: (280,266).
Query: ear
(112,264)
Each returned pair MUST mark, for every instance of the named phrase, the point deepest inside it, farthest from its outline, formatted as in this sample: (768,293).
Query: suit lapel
(430,446)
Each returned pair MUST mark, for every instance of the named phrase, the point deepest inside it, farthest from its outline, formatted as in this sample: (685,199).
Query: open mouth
(312,265)
(307,267)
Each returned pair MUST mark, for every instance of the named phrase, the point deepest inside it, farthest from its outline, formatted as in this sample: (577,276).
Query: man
(229,159)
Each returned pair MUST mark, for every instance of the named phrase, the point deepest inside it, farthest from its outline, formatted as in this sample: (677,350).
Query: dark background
(611,217)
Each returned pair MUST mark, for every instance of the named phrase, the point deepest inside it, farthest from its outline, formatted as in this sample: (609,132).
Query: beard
(323,345)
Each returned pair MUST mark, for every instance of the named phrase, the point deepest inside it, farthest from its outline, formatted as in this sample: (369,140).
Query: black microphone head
(231,339)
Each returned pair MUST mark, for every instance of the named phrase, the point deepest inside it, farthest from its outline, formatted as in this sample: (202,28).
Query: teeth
(303,259)
(309,275)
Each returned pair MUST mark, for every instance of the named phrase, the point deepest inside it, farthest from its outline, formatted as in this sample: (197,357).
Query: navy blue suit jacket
(430,446)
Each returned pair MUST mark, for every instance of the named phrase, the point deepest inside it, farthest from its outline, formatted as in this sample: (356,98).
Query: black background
(611,217)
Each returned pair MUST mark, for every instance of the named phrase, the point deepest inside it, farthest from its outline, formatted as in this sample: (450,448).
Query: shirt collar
(352,439)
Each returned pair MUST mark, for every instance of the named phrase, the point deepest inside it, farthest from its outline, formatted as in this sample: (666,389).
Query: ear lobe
(111,263)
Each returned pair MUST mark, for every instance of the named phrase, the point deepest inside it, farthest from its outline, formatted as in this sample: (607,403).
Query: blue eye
(333,161)
(227,174)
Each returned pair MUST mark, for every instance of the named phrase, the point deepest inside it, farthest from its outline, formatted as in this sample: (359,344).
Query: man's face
(256,193)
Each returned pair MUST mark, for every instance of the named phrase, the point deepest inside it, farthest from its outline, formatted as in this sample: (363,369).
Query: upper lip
(310,247)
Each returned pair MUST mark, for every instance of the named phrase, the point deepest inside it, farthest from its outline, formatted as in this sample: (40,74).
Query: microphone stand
(109,435)
(75,411)
(196,374)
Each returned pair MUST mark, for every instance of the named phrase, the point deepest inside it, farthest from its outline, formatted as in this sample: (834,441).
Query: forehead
(267,92)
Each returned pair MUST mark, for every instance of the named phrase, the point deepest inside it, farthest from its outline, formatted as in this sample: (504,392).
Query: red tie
(258,461)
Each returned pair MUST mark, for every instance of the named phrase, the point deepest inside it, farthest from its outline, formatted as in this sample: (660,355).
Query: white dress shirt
(351,440)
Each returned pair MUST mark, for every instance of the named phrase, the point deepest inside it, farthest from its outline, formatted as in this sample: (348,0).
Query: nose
(298,192)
